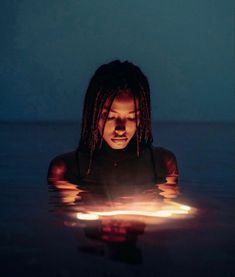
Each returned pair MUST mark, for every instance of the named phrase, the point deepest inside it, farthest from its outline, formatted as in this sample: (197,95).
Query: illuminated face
(120,125)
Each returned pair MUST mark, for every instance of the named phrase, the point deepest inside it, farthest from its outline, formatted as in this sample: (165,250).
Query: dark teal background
(49,50)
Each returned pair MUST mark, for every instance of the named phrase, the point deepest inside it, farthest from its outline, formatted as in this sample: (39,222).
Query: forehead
(123,102)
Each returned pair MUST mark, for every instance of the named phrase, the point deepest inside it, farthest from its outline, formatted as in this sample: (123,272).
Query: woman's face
(120,125)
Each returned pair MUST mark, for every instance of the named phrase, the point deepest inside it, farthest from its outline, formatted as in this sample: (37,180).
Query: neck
(131,148)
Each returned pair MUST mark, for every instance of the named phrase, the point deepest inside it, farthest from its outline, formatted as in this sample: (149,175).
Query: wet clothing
(115,171)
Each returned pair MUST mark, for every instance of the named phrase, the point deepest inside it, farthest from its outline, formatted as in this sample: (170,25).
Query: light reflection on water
(117,223)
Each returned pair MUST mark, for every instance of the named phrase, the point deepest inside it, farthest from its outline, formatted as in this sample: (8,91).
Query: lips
(119,140)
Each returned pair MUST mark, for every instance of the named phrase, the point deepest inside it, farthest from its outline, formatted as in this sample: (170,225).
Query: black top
(115,170)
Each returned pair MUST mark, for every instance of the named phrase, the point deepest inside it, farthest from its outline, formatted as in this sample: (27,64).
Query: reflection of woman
(115,153)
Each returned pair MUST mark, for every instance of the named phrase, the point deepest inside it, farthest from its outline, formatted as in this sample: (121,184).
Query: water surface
(38,237)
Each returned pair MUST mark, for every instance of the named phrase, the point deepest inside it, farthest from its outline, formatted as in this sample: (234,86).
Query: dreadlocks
(109,80)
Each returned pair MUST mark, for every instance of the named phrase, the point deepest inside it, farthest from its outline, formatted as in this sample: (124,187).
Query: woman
(115,155)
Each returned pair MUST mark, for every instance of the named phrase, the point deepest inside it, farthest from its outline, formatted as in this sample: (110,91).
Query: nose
(120,127)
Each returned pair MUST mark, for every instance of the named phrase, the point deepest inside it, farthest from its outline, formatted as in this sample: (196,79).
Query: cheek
(109,127)
(131,127)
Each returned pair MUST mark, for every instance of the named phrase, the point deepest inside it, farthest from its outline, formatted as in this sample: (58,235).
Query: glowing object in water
(167,212)
(88,216)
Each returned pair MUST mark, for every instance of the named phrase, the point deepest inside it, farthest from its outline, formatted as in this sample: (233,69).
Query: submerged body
(116,172)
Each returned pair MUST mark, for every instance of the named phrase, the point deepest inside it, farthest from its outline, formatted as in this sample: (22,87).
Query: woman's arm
(170,188)
(57,179)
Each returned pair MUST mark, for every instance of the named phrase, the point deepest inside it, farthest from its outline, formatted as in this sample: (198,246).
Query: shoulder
(163,153)
(166,158)
(66,159)
(62,165)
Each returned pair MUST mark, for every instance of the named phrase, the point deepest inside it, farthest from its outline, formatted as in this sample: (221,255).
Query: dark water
(38,237)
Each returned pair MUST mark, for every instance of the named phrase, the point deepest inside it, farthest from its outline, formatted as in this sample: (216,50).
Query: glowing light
(88,216)
(160,213)
(184,207)
(165,211)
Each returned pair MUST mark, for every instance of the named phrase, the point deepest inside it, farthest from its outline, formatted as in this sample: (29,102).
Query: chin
(117,146)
